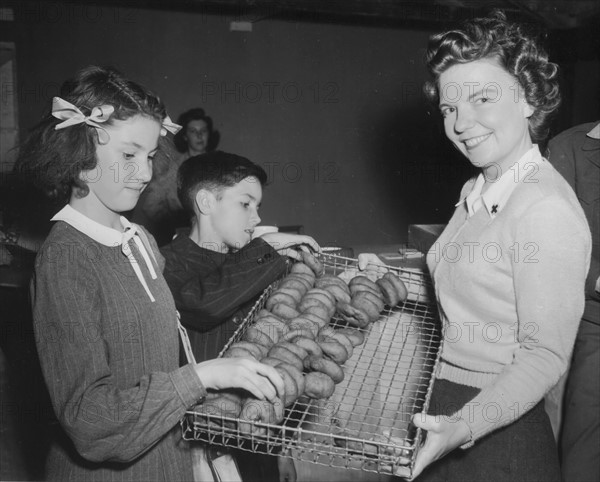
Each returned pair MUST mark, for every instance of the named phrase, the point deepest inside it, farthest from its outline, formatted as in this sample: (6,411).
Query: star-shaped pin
(495,209)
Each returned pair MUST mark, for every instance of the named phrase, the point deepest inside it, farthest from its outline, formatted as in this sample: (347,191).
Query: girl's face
(234,214)
(485,115)
(123,170)
(196,135)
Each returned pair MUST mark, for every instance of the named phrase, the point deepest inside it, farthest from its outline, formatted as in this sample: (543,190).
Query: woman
(509,269)
(159,209)
(196,135)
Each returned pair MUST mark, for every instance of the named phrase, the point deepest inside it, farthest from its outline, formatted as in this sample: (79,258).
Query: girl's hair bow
(71,115)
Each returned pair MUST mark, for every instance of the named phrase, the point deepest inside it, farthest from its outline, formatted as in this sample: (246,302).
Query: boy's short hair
(213,171)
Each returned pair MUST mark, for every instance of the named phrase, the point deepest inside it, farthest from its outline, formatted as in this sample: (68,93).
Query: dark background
(326,96)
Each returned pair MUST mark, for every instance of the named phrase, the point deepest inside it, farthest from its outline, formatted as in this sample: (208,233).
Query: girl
(105,322)
(509,269)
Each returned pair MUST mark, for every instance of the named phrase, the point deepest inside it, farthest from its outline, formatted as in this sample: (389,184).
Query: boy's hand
(261,380)
(287,469)
(286,244)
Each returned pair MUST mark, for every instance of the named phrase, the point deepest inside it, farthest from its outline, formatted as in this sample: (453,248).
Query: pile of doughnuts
(292,334)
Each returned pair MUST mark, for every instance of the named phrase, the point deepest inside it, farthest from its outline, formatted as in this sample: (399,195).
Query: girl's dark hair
(213,171)
(187,117)
(513,48)
(54,159)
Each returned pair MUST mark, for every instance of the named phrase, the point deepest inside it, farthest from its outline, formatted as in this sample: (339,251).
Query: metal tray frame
(366,424)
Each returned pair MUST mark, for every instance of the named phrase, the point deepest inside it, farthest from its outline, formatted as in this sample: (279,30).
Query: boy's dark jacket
(214,291)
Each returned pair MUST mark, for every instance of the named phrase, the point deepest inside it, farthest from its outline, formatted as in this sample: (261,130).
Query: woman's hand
(286,243)
(261,380)
(444,434)
(287,469)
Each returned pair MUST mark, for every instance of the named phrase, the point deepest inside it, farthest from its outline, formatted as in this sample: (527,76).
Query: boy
(216,270)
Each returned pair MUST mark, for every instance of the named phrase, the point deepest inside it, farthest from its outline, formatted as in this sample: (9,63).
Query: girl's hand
(444,434)
(261,380)
(285,243)
(287,469)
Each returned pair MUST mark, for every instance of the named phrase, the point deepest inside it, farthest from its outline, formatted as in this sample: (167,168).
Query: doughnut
(220,405)
(295,283)
(286,355)
(254,410)
(317,314)
(310,301)
(290,386)
(311,346)
(390,296)
(284,311)
(357,288)
(237,352)
(364,281)
(294,348)
(369,303)
(272,362)
(353,316)
(313,263)
(280,297)
(293,292)
(355,336)
(296,374)
(296,333)
(254,335)
(272,326)
(329,279)
(307,281)
(300,267)
(340,295)
(258,351)
(323,296)
(333,349)
(325,365)
(345,341)
(318,385)
(300,323)
(392,287)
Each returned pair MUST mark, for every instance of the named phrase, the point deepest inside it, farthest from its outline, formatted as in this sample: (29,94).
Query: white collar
(98,232)
(497,194)
(595,132)
(112,238)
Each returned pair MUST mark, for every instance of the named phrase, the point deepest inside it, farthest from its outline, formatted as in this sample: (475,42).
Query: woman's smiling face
(485,114)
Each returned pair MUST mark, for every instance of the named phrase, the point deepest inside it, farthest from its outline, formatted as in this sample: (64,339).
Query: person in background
(159,209)
(509,268)
(575,153)
(196,136)
(105,321)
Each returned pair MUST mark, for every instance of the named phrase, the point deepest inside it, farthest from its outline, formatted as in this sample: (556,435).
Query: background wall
(332,112)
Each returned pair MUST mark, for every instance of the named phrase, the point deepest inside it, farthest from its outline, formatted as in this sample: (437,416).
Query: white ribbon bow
(71,115)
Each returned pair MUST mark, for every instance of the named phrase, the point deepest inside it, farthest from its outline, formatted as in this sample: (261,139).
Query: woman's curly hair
(54,159)
(514,49)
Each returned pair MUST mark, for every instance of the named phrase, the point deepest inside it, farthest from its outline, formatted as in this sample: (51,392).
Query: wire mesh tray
(366,423)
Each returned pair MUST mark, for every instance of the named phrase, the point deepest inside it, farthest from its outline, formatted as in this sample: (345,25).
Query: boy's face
(235,213)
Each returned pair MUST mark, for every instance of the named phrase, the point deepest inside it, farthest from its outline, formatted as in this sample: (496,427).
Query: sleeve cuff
(188,385)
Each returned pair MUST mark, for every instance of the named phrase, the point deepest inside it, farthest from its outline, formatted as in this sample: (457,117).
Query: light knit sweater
(509,281)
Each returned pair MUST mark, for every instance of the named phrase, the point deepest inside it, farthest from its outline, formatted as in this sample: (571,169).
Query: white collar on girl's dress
(112,238)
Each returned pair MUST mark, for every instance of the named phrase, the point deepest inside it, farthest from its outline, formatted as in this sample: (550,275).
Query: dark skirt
(525,450)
